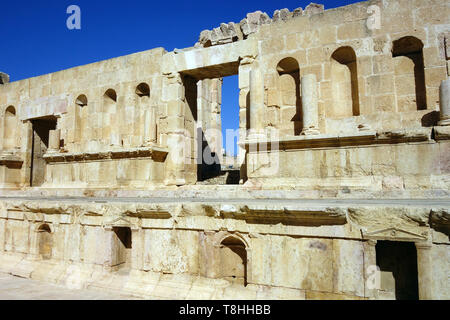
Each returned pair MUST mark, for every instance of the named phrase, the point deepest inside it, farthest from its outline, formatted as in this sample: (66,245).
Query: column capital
(371,242)
(423,245)
(247,60)
(173,77)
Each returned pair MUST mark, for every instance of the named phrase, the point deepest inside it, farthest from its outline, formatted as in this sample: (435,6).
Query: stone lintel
(442,133)
(330,140)
(10,159)
(156,153)
(288,215)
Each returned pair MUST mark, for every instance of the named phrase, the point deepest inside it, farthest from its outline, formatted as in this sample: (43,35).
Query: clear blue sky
(35,39)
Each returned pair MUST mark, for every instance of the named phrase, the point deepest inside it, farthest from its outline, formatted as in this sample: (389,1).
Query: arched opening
(111,94)
(45,241)
(407,53)
(289,84)
(344,78)
(81,116)
(82,100)
(233,260)
(111,119)
(10,127)
(121,247)
(143,90)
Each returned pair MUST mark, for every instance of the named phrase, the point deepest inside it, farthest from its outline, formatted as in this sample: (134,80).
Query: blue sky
(36,41)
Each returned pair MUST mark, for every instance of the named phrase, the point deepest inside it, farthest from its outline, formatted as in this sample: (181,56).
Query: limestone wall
(312,81)
(89,121)
(312,253)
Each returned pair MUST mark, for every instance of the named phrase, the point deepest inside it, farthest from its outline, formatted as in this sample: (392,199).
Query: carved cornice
(394,234)
(310,141)
(10,159)
(287,215)
(334,141)
(442,133)
(154,152)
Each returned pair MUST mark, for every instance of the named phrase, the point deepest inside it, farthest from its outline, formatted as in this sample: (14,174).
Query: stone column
(33,253)
(370,269)
(54,140)
(174,97)
(150,127)
(256,101)
(310,107)
(424,271)
(137,251)
(444,98)
(2,234)
(244,112)
(108,248)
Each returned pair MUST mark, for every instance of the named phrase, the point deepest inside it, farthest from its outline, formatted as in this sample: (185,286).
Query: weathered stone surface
(297,12)
(4,78)
(255,19)
(281,15)
(314,8)
(117,167)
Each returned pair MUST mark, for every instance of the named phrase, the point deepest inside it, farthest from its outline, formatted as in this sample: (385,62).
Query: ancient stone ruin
(112,174)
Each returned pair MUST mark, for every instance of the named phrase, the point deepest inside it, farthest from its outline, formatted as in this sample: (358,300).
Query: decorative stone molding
(344,140)
(442,133)
(120,222)
(287,215)
(394,234)
(10,159)
(156,153)
(404,135)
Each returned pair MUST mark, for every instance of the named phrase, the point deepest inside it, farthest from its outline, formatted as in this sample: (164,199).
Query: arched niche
(289,85)
(233,260)
(81,100)
(10,128)
(143,90)
(111,120)
(45,241)
(410,90)
(110,95)
(344,79)
(81,116)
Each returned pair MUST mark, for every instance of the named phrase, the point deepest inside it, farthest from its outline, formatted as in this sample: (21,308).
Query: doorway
(41,131)
(398,265)
(122,244)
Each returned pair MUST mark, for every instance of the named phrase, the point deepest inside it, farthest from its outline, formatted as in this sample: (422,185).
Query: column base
(175,182)
(310,132)
(445,122)
(363,127)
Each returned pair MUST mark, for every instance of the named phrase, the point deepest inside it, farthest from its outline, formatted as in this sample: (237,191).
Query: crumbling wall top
(231,32)
(4,78)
